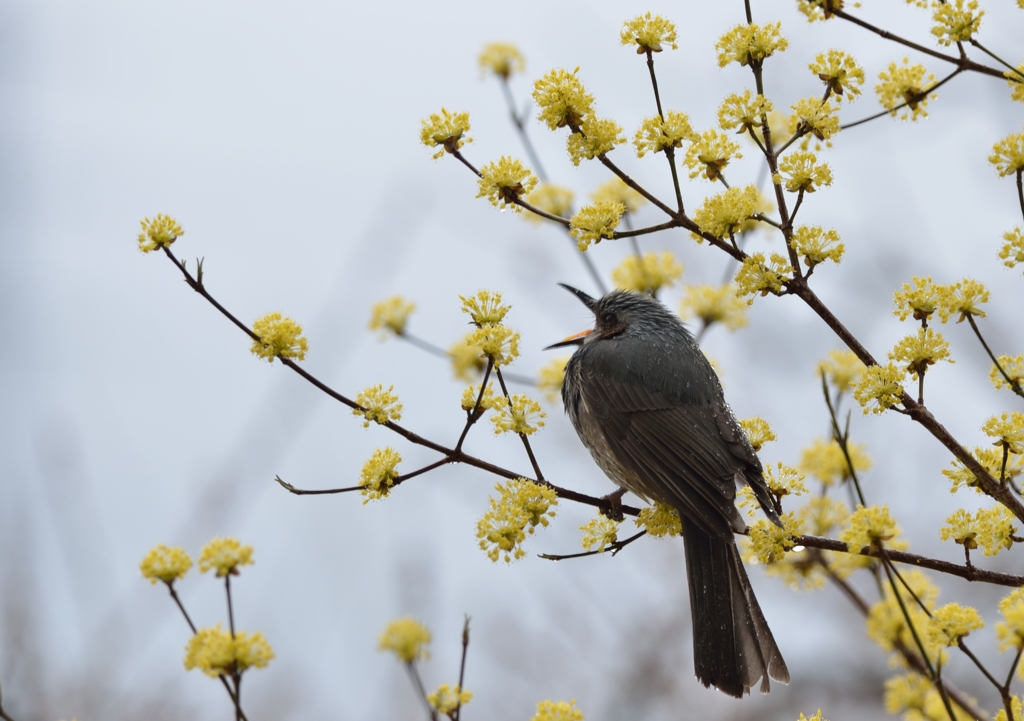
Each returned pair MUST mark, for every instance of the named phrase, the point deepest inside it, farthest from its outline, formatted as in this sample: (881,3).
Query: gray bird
(647,404)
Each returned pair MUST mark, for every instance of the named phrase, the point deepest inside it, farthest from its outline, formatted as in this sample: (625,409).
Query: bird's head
(621,313)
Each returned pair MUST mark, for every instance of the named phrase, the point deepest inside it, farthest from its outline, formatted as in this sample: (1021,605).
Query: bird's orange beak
(576,339)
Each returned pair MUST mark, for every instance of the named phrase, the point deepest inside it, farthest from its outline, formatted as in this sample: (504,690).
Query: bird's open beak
(576,339)
(584,298)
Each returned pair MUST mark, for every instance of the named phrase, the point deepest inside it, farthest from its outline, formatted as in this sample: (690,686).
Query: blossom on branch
(880,387)
(378,474)
(504,182)
(521,506)
(655,134)
(816,245)
(224,556)
(840,73)
(760,276)
(158,233)
(956,21)
(800,170)
(599,533)
(595,137)
(518,414)
(562,99)
(709,153)
(164,563)
(750,42)
(649,33)
(445,129)
(659,521)
(378,405)
(279,337)
(407,638)
(391,315)
(905,83)
(650,272)
(596,221)
(743,111)
(215,651)
(724,214)
(501,59)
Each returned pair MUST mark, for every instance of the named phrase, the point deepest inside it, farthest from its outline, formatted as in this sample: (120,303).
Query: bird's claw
(611,505)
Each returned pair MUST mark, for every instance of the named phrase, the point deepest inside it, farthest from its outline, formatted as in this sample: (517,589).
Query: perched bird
(647,404)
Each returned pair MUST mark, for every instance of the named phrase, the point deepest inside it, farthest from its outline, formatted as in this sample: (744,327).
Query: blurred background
(284,138)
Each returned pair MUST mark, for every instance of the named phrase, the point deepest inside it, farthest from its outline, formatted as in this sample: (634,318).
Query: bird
(648,406)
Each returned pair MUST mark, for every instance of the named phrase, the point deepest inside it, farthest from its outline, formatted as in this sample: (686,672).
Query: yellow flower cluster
(596,137)
(952,622)
(407,638)
(816,245)
(485,308)
(391,315)
(842,369)
(214,651)
(821,514)
(781,127)
(446,699)
(279,336)
(557,711)
(379,474)
(594,222)
(800,170)
(1012,251)
(521,506)
(917,699)
(824,459)
(991,528)
(1010,631)
(760,276)
(649,33)
(562,99)
(964,297)
(714,304)
(784,480)
(886,624)
(879,388)
(905,83)
(467,358)
(445,129)
(920,351)
(769,544)
(815,717)
(497,341)
(991,459)
(743,111)
(758,432)
(956,21)
(817,118)
(550,198)
(488,401)
(158,233)
(1014,367)
(750,42)
(550,377)
(224,556)
(599,533)
(504,182)
(868,526)
(925,298)
(659,521)
(649,273)
(724,214)
(1015,79)
(1008,154)
(165,563)
(518,414)
(1007,429)
(615,190)
(1016,702)
(709,153)
(656,134)
(921,300)
(378,405)
(840,73)
(819,9)
(501,59)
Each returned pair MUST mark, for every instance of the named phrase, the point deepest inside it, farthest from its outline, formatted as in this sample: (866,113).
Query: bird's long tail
(732,644)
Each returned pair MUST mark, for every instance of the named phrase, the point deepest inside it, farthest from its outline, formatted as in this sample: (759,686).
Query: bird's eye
(607,318)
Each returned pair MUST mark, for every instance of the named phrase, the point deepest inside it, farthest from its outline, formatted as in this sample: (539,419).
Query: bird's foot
(611,505)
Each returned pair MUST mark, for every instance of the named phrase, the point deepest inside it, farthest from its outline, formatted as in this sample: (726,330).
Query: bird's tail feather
(732,644)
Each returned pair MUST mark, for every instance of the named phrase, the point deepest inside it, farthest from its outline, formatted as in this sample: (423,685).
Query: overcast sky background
(284,138)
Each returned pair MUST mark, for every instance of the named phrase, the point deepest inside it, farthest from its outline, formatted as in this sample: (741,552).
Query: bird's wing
(677,449)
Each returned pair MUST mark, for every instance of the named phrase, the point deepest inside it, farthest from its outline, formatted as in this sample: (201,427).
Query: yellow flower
(599,533)
(821,514)
(391,315)
(1007,429)
(1015,79)
(991,459)
(1016,702)
(655,134)
(550,377)
(1012,251)
(562,99)
(520,414)
(501,59)
(724,214)
(961,528)
(595,138)
(905,84)
(521,506)
(952,622)
(485,308)
(224,555)
(158,233)
(842,369)
(769,544)
(1008,154)
(840,73)
(743,111)
(1014,367)
(868,526)
(996,529)
(280,336)
(962,298)
(648,32)
(824,459)
(886,623)
(378,405)
(488,401)
(819,9)
(497,341)
(815,717)
(757,275)
(784,480)
(879,388)
(445,129)
(615,190)
(714,304)
(550,198)
(910,695)
(817,118)
(920,351)
(709,153)
(750,42)
(407,638)
(557,711)
(955,23)
(504,182)
(214,652)
(800,170)
(467,359)
(758,432)
(660,520)
(816,245)
(165,563)
(448,698)
(651,272)
(1010,631)
(921,300)
(781,127)
(594,222)
(379,474)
